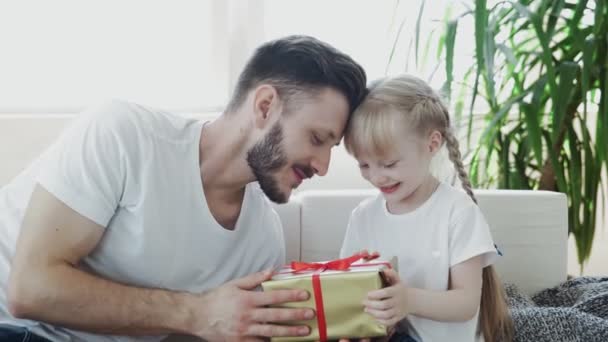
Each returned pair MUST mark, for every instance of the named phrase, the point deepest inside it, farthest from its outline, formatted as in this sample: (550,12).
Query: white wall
(22,138)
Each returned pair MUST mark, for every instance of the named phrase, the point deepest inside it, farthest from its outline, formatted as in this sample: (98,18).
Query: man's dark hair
(301,64)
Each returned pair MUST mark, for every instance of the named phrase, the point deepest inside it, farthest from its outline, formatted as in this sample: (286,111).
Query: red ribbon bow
(334,265)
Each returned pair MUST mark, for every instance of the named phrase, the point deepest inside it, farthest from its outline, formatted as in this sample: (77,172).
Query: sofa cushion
(290,218)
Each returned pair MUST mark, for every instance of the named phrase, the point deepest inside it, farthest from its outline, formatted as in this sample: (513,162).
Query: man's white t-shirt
(136,172)
(446,230)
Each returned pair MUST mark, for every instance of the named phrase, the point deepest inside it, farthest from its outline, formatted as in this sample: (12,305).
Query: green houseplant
(540,76)
(541,70)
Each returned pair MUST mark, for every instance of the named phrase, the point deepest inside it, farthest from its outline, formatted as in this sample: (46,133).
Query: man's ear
(435,141)
(266,105)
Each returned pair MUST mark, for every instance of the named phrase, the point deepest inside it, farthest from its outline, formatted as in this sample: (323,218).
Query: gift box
(337,289)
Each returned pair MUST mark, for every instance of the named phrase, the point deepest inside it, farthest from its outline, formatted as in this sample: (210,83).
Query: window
(185,55)
(57,56)
(368,30)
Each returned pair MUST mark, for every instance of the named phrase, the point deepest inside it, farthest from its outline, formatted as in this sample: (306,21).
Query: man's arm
(46,285)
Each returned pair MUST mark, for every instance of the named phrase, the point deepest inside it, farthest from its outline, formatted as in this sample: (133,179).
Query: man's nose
(320,163)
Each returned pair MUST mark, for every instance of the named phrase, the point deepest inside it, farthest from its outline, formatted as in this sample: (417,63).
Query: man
(138,223)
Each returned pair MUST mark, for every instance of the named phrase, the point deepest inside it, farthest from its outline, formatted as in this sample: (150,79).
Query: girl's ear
(435,141)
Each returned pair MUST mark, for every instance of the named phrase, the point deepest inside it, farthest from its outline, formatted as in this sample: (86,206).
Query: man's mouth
(300,174)
(389,189)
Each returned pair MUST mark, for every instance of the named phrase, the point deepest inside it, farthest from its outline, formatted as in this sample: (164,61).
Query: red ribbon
(321,323)
(334,265)
(319,267)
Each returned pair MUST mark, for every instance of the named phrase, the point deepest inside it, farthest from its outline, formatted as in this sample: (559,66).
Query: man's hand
(234,312)
(391,304)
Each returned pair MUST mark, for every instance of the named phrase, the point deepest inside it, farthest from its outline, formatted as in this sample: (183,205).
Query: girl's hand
(390,304)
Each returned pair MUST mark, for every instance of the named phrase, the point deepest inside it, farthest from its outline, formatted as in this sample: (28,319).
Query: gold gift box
(342,292)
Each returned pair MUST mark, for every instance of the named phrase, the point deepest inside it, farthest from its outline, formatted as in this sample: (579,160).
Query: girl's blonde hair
(407,105)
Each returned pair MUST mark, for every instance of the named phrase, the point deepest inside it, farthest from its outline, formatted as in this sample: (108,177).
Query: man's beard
(267,157)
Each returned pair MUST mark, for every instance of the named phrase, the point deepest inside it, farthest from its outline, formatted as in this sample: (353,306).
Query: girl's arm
(458,304)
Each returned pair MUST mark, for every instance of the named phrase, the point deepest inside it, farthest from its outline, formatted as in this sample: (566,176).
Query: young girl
(446,288)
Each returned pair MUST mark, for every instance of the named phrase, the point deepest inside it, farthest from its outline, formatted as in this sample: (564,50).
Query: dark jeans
(11,333)
(400,337)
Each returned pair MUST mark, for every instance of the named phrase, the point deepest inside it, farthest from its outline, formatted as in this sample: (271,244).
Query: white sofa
(530,227)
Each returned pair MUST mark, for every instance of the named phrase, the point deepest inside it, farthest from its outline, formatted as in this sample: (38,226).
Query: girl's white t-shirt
(446,230)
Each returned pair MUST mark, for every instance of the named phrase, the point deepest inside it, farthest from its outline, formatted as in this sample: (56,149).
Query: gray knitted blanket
(576,310)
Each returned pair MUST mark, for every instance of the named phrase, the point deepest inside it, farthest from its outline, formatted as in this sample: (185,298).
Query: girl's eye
(389,165)
(316,141)
(363,166)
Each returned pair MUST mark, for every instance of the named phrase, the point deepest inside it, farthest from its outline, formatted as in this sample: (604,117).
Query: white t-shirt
(136,172)
(446,230)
